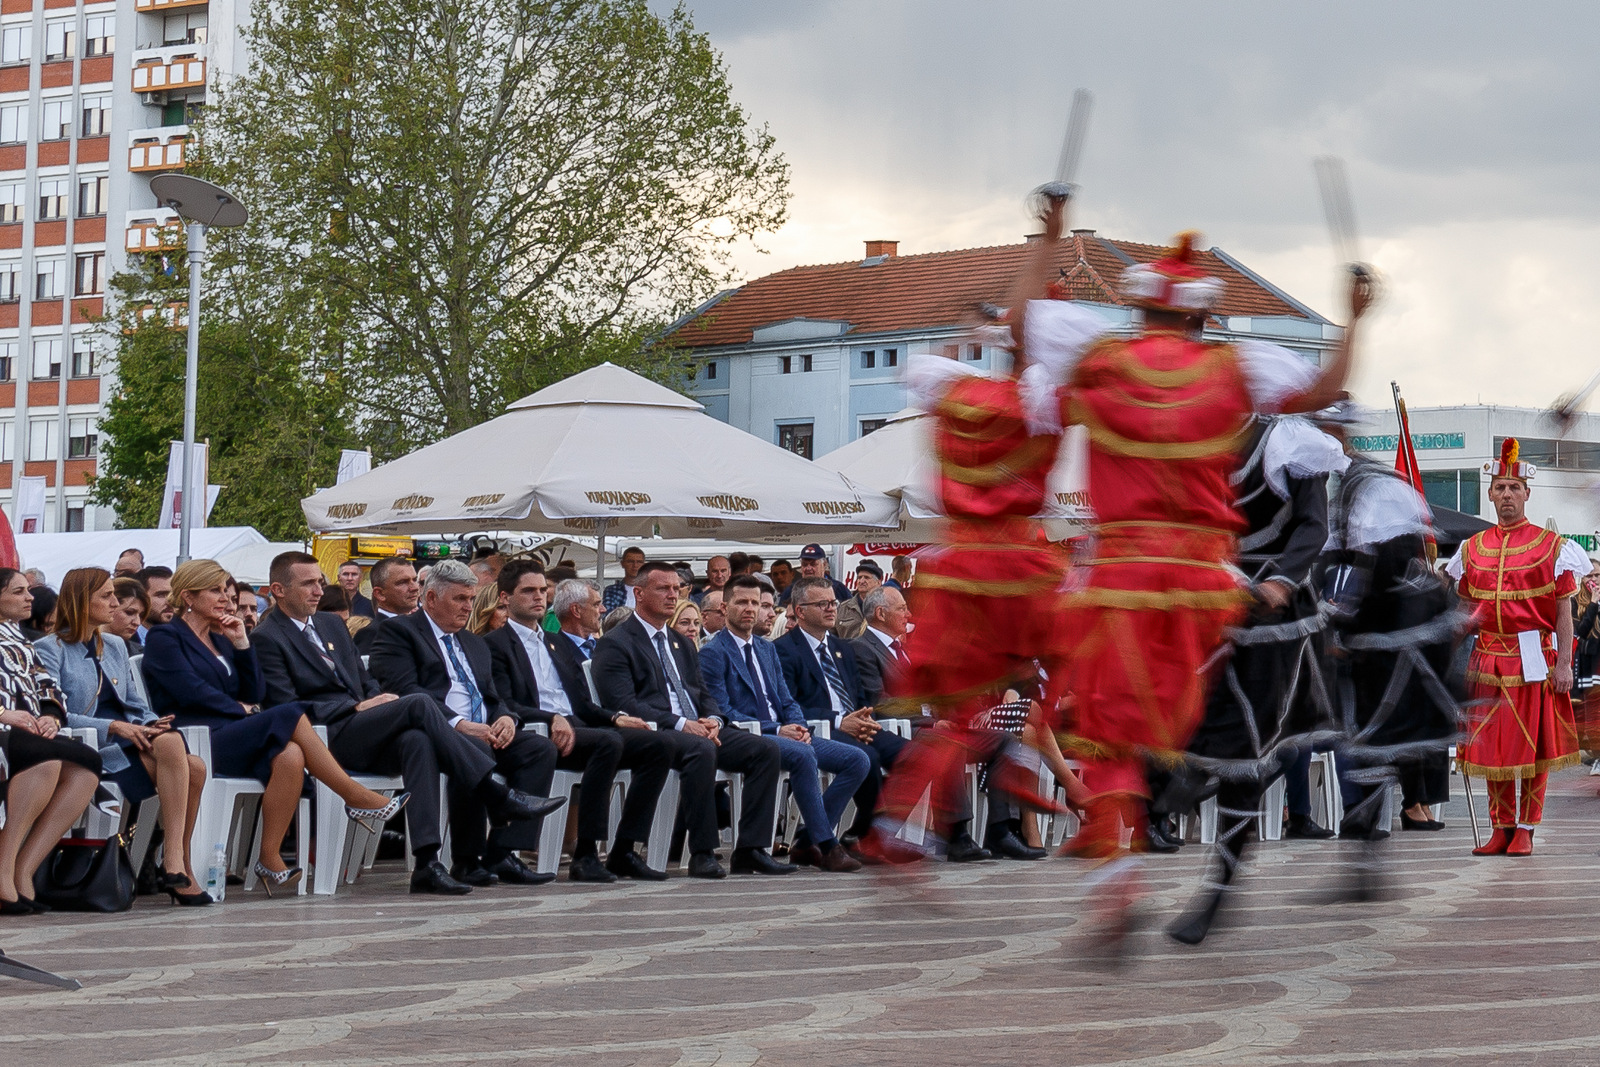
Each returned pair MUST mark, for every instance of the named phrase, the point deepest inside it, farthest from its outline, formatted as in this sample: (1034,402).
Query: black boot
(1233,832)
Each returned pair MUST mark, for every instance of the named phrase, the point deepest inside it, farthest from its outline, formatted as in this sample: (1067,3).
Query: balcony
(153,230)
(174,316)
(158,6)
(161,148)
(164,70)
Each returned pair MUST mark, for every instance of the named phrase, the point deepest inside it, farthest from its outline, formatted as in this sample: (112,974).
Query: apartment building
(95,98)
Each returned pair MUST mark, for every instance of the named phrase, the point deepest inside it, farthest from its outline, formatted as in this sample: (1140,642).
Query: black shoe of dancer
(1233,832)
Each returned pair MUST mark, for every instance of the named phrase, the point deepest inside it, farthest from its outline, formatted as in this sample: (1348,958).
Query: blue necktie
(761,679)
(475,713)
(686,706)
(587,645)
(830,671)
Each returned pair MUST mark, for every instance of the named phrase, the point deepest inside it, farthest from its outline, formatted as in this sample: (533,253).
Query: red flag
(1405,456)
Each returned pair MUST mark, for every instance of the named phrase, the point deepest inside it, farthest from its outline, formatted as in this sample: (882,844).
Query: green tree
(275,433)
(456,202)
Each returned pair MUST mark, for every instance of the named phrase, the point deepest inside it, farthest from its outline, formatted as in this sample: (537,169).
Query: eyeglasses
(823,604)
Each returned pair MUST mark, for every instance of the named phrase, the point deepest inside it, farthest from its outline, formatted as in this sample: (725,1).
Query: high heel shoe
(38,908)
(167,881)
(1408,823)
(15,907)
(190,900)
(372,819)
(271,879)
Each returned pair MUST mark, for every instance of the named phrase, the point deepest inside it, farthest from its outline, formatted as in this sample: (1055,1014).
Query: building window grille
(796,437)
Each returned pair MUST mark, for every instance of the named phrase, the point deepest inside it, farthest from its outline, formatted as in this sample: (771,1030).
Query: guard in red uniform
(1167,415)
(1517,577)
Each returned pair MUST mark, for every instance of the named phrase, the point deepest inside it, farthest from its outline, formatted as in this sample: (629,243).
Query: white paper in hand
(1534,668)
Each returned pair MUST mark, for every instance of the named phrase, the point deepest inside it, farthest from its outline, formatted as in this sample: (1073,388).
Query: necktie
(475,713)
(686,706)
(316,643)
(587,644)
(761,679)
(830,671)
(899,653)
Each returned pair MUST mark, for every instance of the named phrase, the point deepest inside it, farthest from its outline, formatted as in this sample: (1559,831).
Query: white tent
(604,452)
(250,563)
(899,459)
(58,553)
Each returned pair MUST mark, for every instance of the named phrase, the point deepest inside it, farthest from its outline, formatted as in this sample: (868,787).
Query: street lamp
(204,205)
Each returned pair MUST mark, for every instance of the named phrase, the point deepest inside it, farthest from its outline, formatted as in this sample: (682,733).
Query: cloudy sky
(1471,133)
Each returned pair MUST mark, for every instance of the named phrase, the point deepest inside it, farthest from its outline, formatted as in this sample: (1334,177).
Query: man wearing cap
(1518,577)
(852,618)
(1168,416)
(814,564)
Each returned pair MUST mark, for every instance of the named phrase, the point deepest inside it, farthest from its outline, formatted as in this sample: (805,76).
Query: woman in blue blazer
(201,670)
(144,755)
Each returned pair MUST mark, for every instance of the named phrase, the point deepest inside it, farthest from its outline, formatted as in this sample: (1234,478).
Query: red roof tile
(943,288)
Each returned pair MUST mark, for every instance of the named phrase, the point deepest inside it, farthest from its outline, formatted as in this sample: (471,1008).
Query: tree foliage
(456,202)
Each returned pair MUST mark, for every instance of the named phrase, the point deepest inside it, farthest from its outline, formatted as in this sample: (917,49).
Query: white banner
(172,495)
(353,464)
(30,505)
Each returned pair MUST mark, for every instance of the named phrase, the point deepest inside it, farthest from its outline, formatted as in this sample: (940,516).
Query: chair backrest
(136,679)
(588,677)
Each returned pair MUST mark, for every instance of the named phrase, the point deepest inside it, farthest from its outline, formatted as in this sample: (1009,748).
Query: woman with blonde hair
(488,613)
(201,669)
(144,755)
(685,621)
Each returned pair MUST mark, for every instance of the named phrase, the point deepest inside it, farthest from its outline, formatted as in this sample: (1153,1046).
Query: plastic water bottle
(217,873)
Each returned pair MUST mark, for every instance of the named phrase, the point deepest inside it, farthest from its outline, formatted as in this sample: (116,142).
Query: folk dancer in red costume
(1518,578)
(1167,415)
(988,602)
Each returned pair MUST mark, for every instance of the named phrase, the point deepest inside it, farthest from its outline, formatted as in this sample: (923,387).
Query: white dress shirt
(763,687)
(839,710)
(552,695)
(458,702)
(650,633)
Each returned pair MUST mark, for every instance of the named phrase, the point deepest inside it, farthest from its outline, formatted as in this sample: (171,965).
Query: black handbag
(81,875)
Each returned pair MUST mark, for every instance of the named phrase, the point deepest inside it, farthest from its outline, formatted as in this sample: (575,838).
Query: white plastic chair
(660,844)
(219,825)
(553,831)
(1269,819)
(344,846)
(1327,805)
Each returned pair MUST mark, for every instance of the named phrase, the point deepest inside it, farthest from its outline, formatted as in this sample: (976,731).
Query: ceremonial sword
(1064,184)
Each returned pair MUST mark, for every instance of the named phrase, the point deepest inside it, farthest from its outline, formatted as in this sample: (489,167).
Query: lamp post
(202,205)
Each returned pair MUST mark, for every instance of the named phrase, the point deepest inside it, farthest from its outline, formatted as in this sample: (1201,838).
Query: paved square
(1485,960)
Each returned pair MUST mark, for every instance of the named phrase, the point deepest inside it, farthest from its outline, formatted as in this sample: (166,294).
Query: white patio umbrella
(899,459)
(605,451)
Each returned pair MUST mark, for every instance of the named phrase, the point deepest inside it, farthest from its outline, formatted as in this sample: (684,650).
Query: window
(75,518)
(785,364)
(50,279)
(10,281)
(99,35)
(89,277)
(43,439)
(14,123)
(891,357)
(869,359)
(83,438)
(1557,454)
(974,352)
(52,199)
(60,39)
(8,441)
(872,425)
(186,28)
(13,197)
(797,364)
(711,371)
(8,366)
(46,358)
(96,116)
(93,194)
(796,437)
(16,44)
(83,357)
(57,122)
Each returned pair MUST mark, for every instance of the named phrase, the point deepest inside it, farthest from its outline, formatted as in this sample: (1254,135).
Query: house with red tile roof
(810,358)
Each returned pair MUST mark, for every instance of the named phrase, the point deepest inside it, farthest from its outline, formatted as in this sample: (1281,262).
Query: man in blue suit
(743,675)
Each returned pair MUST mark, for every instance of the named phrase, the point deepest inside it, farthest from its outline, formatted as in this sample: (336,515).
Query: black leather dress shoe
(705,865)
(517,805)
(474,875)
(513,871)
(1012,847)
(963,849)
(806,855)
(1302,828)
(589,869)
(755,861)
(1159,840)
(627,863)
(433,878)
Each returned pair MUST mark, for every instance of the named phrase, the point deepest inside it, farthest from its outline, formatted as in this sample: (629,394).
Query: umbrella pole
(600,550)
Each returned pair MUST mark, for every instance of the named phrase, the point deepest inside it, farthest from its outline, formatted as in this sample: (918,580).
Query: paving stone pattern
(1484,960)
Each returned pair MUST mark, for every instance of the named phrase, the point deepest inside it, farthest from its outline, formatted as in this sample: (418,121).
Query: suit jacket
(877,666)
(75,672)
(369,633)
(292,669)
(803,674)
(185,677)
(738,693)
(629,677)
(406,659)
(515,681)
(360,605)
(851,622)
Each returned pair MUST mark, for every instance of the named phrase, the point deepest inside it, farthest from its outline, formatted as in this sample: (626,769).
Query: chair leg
(660,845)
(144,831)
(303,846)
(15,968)
(332,828)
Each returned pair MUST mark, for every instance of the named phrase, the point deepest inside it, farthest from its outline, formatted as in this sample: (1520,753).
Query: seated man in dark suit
(745,680)
(431,652)
(879,654)
(645,670)
(309,657)
(540,677)
(394,592)
(807,651)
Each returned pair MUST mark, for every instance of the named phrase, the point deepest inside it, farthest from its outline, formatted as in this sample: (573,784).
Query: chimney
(887,249)
(1083,233)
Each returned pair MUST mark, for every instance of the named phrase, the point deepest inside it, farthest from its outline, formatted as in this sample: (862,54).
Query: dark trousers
(528,763)
(1425,780)
(411,737)
(596,753)
(649,756)
(881,751)
(697,761)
